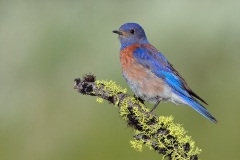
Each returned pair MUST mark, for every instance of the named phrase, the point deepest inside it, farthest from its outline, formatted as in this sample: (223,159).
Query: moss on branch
(156,132)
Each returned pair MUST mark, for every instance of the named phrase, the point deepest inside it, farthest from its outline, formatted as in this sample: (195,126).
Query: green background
(44,45)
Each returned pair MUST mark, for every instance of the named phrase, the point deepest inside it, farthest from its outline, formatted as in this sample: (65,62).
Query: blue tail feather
(200,109)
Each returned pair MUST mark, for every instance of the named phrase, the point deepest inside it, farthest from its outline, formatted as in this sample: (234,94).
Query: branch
(158,133)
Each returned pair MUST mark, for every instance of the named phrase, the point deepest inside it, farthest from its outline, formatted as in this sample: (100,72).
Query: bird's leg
(155,106)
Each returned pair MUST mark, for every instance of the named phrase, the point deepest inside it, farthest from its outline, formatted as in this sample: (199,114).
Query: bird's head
(131,33)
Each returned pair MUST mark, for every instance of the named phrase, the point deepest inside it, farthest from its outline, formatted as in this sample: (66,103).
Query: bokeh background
(44,45)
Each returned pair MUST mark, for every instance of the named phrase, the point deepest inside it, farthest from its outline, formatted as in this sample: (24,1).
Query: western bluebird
(149,74)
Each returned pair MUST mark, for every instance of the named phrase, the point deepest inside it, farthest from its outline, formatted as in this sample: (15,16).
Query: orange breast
(141,80)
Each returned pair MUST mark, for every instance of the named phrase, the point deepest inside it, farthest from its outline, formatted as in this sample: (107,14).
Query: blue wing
(158,64)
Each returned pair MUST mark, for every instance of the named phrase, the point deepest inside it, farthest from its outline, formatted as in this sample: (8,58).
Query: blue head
(131,33)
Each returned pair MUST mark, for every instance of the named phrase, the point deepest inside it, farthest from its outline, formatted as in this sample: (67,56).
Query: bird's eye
(132,31)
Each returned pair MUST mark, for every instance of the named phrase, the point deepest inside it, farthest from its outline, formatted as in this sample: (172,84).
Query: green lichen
(112,88)
(173,141)
(123,109)
(99,100)
(137,145)
(164,142)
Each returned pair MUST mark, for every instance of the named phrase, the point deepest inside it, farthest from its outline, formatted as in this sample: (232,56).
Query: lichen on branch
(156,132)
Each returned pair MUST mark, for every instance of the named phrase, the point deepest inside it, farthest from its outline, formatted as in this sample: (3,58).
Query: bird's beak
(117,32)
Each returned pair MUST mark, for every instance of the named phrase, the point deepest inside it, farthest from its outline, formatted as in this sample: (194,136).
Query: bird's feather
(151,58)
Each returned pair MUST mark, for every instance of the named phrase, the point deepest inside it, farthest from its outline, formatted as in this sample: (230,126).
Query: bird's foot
(140,99)
(155,106)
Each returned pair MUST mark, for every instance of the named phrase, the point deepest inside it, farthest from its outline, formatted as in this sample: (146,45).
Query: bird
(150,75)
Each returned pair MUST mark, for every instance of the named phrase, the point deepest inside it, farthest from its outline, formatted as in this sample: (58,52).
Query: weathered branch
(158,133)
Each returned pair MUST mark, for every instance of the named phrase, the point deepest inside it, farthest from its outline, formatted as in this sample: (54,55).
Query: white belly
(164,94)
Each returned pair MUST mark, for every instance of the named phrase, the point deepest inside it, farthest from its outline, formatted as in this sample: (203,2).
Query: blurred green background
(44,45)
